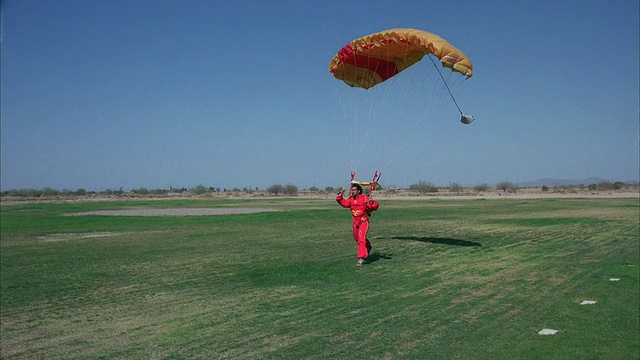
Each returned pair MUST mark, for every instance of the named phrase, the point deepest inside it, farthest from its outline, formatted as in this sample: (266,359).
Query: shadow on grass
(376,255)
(433,240)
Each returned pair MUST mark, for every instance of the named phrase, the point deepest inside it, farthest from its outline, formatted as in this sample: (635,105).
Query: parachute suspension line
(366,142)
(354,102)
(346,102)
(360,133)
(421,75)
(383,143)
(388,152)
(445,84)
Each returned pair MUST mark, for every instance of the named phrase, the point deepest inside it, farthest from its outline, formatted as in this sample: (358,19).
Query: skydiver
(361,208)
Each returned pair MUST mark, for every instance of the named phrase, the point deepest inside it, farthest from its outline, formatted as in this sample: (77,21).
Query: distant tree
(47,191)
(604,185)
(276,189)
(545,188)
(619,185)
(23,192)
(314,189)
(423,187)
(198,190)
(506,185)
(456,188)
(80,192)
(329,189)
(291,190)
(481,187)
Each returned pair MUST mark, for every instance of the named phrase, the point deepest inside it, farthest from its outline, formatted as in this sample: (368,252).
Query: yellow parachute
(372,59)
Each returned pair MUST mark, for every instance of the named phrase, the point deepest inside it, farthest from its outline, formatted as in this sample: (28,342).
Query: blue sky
(108,94)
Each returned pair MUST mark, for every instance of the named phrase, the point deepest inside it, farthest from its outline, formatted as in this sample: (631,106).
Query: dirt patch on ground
(175,212)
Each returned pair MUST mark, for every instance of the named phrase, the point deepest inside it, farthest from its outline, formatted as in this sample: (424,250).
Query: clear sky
(108,94)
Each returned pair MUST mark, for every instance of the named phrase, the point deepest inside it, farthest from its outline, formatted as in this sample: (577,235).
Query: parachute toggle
(373,184)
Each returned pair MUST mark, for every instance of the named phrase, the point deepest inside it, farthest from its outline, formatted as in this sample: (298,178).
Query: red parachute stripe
(385,69)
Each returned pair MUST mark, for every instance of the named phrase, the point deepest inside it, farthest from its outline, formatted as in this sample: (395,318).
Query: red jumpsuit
(360,210)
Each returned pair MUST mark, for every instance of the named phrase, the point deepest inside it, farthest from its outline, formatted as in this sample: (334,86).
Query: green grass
(454,279)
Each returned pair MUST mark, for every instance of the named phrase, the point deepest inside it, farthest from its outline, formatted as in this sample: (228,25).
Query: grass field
(448,279)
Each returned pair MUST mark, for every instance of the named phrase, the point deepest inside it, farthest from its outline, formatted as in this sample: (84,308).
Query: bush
(481,187)
(456,188)
(604,185)
(423,187)
(22,193)
(158,191)
(50,192)
(619,185)
(198,190)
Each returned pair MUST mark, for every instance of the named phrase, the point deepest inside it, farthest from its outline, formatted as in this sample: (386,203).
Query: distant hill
(559,182)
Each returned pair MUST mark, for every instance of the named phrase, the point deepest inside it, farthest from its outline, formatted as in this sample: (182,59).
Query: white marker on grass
(588,302)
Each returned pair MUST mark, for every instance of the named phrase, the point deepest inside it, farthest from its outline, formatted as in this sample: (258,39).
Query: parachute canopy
(372,59)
